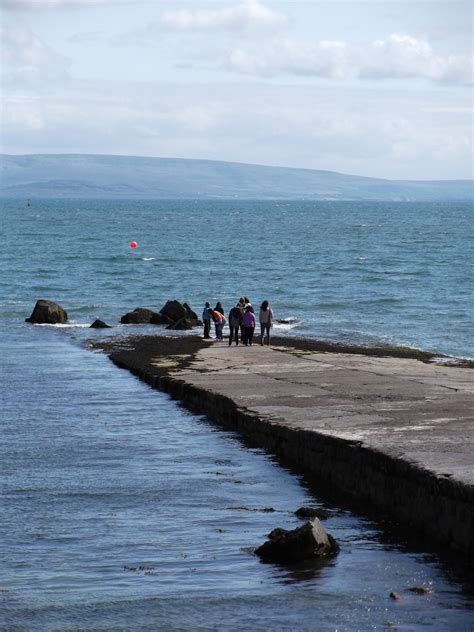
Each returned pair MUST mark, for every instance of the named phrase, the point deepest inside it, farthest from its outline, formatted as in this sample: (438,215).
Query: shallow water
(122,511)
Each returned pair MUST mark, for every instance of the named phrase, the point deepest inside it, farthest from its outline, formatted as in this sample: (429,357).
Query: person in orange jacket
(219,322)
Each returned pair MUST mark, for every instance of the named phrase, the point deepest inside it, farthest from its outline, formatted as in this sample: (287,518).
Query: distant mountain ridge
(103,176)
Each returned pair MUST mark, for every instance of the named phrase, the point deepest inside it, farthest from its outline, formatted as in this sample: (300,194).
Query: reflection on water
(304,571)
(121,511)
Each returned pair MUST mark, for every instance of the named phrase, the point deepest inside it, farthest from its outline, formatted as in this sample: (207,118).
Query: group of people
(241,319)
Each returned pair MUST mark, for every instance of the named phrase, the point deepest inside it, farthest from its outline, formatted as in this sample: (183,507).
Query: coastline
(374,425)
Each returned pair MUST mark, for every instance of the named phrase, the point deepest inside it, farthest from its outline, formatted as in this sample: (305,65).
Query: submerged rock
(99,324)
(420,590)
(309,541)
(313,512)
(47,312)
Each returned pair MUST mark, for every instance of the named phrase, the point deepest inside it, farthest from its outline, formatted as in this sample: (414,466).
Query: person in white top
(266,321)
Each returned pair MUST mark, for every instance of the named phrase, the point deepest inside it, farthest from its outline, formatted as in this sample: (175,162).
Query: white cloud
(250,14)
(87,37)
(25,57)
(396,57)
(367,133)
(247,17)
(322,59)
(49,4)
(404,57)
(21,113)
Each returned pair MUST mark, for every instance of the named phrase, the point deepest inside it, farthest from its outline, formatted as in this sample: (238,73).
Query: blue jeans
(219,327)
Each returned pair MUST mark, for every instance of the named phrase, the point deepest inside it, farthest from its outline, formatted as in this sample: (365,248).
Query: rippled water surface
(121,511)
(362,272)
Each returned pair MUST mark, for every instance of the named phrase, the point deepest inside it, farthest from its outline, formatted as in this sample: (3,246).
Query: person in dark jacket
(206,319)
(235,320)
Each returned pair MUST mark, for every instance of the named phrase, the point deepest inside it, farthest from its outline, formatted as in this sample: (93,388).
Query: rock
(183,323)
(420,590)
(174,310)
(312,512)
(99,324)
(189,312)
(309,541)
(395,596)
(139,316)
(161,319)
(174,314)
(47,312)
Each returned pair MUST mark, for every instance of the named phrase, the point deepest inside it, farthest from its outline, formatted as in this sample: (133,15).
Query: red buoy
(133,244)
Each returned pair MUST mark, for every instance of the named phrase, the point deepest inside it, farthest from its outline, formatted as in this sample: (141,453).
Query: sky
(380,88)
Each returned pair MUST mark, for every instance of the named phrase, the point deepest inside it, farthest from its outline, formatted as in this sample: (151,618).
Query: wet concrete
(396,433)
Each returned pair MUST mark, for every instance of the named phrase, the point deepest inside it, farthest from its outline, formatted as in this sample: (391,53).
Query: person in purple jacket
(248,322)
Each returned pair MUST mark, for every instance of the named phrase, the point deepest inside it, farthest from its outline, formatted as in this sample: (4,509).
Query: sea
(120,510)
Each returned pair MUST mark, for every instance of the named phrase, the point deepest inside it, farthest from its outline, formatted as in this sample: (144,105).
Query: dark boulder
(310,541)
(99,324)
(189,312)
(182,323)
(161,319)
(313,512)
(174,314)
(174,310)
(47,312)
(139,316)
(420,590)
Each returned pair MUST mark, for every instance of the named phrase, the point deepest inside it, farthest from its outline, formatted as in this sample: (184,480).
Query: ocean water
(399,273)
(119,510)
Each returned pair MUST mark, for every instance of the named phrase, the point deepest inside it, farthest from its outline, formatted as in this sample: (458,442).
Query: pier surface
(396,433)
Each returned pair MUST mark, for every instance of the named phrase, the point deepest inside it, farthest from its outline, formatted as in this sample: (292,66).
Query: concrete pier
(396,433)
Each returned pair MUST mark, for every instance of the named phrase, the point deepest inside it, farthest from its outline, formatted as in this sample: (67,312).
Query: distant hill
(97,176)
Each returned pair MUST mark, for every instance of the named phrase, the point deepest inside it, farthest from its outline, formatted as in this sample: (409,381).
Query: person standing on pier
(219,322)
(219,308)
(206,319)
(249,325)
(266,321)
(235,320)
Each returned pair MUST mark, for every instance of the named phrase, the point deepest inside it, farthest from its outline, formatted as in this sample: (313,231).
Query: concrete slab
(410,412)
(395,432)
